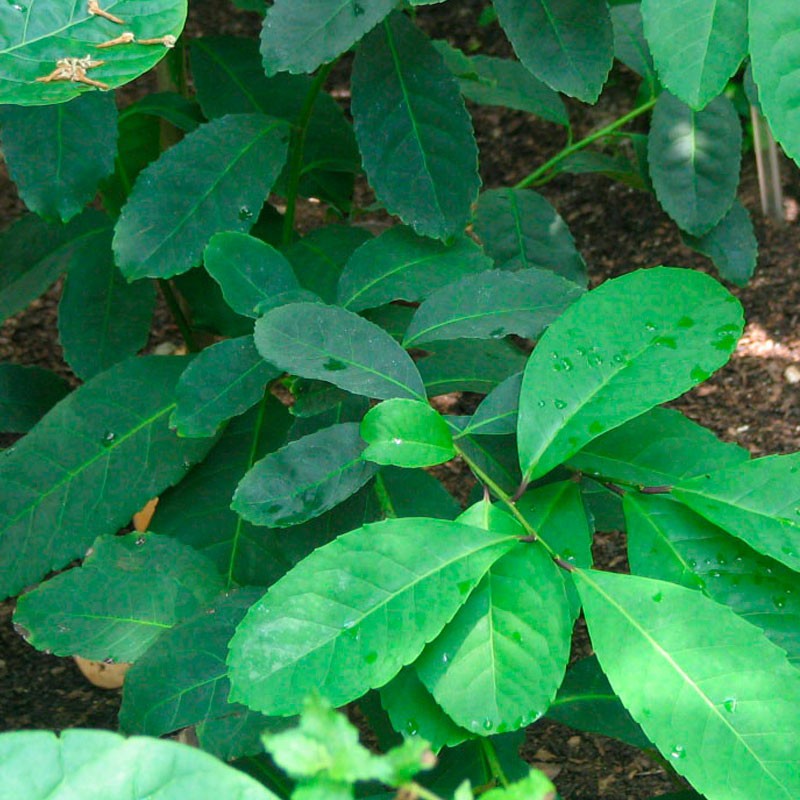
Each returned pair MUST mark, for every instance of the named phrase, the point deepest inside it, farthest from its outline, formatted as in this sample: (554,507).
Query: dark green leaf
(694,159)
(176,683)
(300,35)
(250,272)
(491,305)
(709,690)
(94,460)
(33,254)
(335,345)
(497,414)
(630,45)
(393,318)
(399,265)
(660,447)
(758,501)
(58,154)
(617,167)
(175,208)
(569,44)
(305,478)
(37,35)
(26,395)
(731,244)
(223,381)
(172,107)
(128,591)
(407,575)
(102,319)
(520,229)
(406,433)
(210,312)
(404,492)
(673,328)
(603,506)
(669,542)
(493,456)
(413,131)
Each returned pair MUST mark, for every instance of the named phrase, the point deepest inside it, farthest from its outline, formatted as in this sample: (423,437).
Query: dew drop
(729,704)
(596,427)
(488,724)
(678,752)
(560,404)
(567,364)
(666,341)
(594,360)
(464,587)
(517,637)
(245,213)
(649,326)
(541,404)
(396,440)
(658,597)
(445,657)
(779,602)
(581,351)
(358,9)
(698,374)
(334,365)
(618,358)
(498,333)
(412,727)
(109,437)
(685,322)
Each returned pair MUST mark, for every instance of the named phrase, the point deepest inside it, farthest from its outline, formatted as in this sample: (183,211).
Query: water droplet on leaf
(245,213)
(108,438)
(559,404)
(334,365)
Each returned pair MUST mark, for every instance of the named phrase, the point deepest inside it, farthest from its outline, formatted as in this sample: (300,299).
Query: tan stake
(168,41)
(123,38)
(74,70)
(93,8)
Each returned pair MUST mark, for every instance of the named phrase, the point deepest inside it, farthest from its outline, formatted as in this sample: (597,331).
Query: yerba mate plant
(301,553)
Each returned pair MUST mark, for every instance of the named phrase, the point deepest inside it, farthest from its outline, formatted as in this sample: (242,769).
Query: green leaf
(403,493)
(319,258)
(128,591)
(661,447)
(26,395)
(569,44)
(630,44)
(175,208)
(401,574)
(414,133)
(102,319)
(172,107)
(210,312)
(176,683)
(509,642)
(74,145)
(250,272)
(412,710)
(758,501)
(497,413)
(773,27)
(587,702)
(617,167)
(33,254)
(668,541)
(536,786)
(694,159)
(335,345)
(406,433)
(731,244)
(38,765)
(222,382)
(466,365)
(520,229)
(94,460)
(399,265)
(697,45)
(36,36)
(494,456)
(578,383)
(718,699)
(300,36)
(492,305)
(304,478)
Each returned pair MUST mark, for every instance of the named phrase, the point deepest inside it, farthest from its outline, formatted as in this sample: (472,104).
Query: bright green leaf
(175,208)
(338,346)
(128,591)
(569,44)
(58,154)
(305,478)
(94,460)
(694,159)
(536,786)
(26,395)
(718,699)
(414,133)
(520,229)
(221,382)
(673,328)
(408,575)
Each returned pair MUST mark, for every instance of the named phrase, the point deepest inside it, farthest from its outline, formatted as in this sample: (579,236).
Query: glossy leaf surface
(758,501)
(305,478)
(176,206)
(223,381)
(75,144)
(720,701)
(406,433)
(403,574)
(520,229)
(94,460)
(413,131)
(586,377)
(335,345)
(156,582)
(26,395)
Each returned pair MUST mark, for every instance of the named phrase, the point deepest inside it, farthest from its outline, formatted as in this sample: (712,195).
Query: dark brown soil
(753,400)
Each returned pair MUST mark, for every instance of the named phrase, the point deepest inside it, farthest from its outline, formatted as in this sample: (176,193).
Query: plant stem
(580,145)
(296,148)
(495,766)
(178,315)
